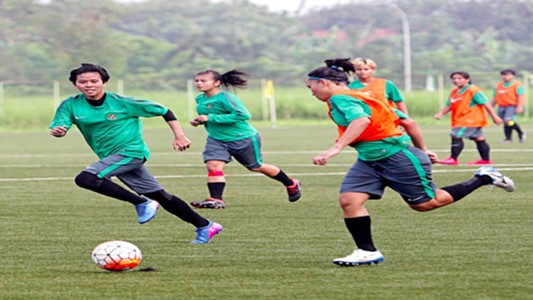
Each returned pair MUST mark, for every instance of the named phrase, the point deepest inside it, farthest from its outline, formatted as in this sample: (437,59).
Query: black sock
(518,130)
(507,130)
(460,190)
(484,149)
(178,207)
(216,189)
(359,228)
(283,178)
(107,187)
(457,147)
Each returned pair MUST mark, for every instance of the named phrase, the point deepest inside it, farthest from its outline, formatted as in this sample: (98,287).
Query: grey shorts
(246,151)
(131,171)
(507,113)
(467,132)
(407,172)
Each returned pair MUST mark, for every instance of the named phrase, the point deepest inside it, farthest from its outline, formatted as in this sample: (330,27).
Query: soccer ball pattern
(117,256)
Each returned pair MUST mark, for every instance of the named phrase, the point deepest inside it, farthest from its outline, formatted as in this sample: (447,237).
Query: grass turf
(478,248)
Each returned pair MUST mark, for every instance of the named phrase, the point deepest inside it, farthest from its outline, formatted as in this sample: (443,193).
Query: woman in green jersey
(225,118)
(111,127)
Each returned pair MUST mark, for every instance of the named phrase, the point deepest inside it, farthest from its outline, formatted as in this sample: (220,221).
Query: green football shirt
(111,128)
(227,117)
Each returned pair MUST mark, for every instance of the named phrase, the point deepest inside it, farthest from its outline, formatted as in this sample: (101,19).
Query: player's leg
(456,147)
(144,183)
(216,155)
(476,134)
(522,136)
(96,178)
(248,153)
(360,184)
(205,229)
(483,149)
(505,114)
(411,177)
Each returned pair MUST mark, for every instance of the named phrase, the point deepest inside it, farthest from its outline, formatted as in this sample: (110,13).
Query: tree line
(155,42)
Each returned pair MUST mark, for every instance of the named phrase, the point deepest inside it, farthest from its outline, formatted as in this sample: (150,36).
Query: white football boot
(498,179)
(360,257)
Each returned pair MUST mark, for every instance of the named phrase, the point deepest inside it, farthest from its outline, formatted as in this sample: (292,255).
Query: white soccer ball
(117,256)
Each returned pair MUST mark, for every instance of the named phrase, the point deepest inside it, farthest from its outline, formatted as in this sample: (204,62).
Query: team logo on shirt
(111,117)
(453,100)
(209,106)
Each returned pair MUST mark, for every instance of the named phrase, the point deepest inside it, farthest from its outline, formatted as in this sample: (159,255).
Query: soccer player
(111,127)
(509,97)
(377,88)
(225,118)
(385,158)
(469,107)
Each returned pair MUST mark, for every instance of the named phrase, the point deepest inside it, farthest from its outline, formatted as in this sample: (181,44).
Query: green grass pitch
(478,248)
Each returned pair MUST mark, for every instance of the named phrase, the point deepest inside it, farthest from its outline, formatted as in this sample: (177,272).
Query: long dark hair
(86,68)
(234,78)
(336,69)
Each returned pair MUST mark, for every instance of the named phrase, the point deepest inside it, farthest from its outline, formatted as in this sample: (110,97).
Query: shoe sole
(211,206)
(351,264)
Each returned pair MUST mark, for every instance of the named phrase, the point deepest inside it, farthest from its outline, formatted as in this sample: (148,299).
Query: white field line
(257,175)
(265,153)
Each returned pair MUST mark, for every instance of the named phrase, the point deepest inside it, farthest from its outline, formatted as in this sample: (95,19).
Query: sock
(518,130)
(460,190)
(507,130)
(216,189)
(457,147)
(107,187)
(484,149)
(178,207)
(283,178)
(359,228)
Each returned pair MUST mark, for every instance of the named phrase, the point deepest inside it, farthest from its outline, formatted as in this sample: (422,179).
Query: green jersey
(111,128)
(345,109)
(227,117)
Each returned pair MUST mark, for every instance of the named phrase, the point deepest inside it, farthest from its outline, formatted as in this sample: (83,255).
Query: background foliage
(156,41)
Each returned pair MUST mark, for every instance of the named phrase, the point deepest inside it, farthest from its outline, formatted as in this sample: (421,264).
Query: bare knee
(347,202)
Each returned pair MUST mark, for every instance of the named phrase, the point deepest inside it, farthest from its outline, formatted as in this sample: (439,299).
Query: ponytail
(233,78)
(337,69)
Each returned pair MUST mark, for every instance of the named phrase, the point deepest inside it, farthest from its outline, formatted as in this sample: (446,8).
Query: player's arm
(236,111)
(494,102)
(392,92)
(58,131)
(442,112)
(354,130)
(62,120)
(181,141)
(402,107)
(520,104)
(481,99)
(492,113)
(415,133)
